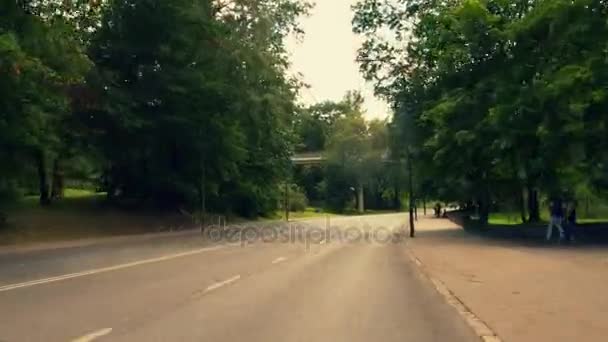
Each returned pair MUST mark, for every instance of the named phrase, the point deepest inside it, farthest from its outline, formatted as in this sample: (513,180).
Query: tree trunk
(397,199)
(424,205)
(287,209)
(43,185)
(485,201)
(58,180)
(484,211)
(533,207)
(522,205)
(360,200)
(411,192)
(202,198)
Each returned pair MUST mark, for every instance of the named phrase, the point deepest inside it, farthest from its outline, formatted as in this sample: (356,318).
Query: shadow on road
(586,235)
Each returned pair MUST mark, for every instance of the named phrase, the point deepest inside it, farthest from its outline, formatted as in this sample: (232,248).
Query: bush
(8,194)
(297,198)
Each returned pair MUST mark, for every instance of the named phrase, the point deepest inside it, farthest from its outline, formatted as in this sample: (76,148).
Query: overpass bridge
(317,158)
(308,158)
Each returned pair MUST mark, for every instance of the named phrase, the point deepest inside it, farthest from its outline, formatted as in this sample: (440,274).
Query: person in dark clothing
(557,217)
(437,210)
(571,223)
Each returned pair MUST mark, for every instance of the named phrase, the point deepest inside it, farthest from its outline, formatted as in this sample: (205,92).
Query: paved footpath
(522,291)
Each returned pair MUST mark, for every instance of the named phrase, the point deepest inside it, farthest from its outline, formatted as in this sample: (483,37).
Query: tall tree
(204,93)
(40,57)
(482,94)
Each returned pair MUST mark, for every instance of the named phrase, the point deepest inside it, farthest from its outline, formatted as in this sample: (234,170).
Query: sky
(326,57)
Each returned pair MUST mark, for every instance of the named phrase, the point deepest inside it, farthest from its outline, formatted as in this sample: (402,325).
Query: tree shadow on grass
(530,235)
(592,234)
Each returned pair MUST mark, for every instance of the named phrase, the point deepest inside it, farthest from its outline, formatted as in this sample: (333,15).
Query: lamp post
(290,168)
(411,190)
(287,201)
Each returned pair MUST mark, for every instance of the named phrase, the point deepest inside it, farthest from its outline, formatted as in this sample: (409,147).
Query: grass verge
(81,214)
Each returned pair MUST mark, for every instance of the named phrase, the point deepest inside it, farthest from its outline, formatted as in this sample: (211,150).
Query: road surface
(352,282)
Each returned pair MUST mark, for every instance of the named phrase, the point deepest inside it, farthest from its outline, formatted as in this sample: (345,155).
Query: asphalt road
(350,282)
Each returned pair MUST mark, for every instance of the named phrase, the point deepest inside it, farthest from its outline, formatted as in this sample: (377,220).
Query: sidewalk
(523,291)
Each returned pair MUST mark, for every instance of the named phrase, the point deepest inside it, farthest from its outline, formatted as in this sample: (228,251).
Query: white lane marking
(222,283)
(106,269)
(279,260)
(94,335)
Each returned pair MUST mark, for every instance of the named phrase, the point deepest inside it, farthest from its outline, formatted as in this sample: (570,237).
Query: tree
(314,124)
(40,57)
(198,110)
(491,110)
(206,92)
(354,157)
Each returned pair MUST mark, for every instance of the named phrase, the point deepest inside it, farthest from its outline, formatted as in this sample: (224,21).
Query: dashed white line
(94,335)
(278,260)
(222,283)
(106,269)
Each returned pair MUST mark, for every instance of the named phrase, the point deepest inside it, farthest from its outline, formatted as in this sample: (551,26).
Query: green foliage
(200,104)
(355,151)
(297,198)
(493,97)
(310,179)
(40,58)
(206,92)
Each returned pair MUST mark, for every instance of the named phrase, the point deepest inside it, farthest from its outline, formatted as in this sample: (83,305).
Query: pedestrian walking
(557,216)
(437,210)
(571,223)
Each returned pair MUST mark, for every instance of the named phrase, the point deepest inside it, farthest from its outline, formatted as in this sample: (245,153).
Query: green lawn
(593,220)
(513,219)
(510,218)
(80,214)
(73,199)
(312,212)
(371,212)
(309,212)
(507,219)
(81,193)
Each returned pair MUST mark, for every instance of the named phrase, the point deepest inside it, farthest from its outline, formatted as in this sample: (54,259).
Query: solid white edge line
(222,283)
(94,335)
(106,269)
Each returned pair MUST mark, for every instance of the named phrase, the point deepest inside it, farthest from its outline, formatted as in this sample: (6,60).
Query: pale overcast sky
(326,57)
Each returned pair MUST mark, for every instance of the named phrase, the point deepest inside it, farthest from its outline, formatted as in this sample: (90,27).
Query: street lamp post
(287,201)
(288,188)
(411,190)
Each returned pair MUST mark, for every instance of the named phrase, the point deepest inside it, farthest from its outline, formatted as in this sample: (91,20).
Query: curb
(481,329)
